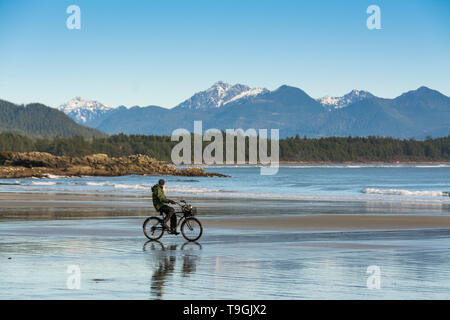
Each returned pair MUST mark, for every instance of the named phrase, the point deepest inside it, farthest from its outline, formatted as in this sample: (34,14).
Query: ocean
(398,183)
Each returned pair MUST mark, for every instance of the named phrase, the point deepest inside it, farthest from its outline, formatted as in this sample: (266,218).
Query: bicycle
(191,228)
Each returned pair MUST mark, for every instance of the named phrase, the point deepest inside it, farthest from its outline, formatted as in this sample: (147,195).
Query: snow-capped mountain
(349,98)
(86,112)
(414,114)
(220,94)
(248,94)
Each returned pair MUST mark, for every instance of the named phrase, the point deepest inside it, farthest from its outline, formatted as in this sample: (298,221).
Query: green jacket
(158,196)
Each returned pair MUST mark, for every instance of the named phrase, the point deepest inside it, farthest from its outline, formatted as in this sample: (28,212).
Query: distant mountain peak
(84,111)
(422,90)
(341,102)
(219,95)
(423,97)
(80,103)
(286,88)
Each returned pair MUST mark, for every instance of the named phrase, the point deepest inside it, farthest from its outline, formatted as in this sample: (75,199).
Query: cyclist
(160,202)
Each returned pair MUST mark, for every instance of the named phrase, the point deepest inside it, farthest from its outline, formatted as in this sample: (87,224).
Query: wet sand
(242,213)
(333,222)
(117,262)
(250,249)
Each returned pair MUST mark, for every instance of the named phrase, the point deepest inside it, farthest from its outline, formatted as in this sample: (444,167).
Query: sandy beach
(268,249)
(335,222)
(222,213)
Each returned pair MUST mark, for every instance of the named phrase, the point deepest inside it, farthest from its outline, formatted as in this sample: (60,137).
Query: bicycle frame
(185,219)
(180,218)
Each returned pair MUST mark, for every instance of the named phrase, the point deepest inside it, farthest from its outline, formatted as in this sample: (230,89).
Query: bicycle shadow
(164,260)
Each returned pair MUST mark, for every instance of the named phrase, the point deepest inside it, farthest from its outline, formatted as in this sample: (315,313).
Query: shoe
(174,231)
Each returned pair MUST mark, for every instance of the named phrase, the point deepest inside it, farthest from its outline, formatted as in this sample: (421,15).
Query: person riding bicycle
(160,202)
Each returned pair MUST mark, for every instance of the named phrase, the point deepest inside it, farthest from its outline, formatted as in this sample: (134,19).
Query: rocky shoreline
(41,165)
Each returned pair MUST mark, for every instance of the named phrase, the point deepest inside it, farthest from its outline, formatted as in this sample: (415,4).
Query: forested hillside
(38,120)
(291,149)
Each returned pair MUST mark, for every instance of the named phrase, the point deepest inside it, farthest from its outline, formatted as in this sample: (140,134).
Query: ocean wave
(433,166)
(117,185)
(193,190)
(186,180)
(129,186)
(98,184)
(54,176)
(400,192)
(43,183)
(17,183)
(303,197)
(199,191)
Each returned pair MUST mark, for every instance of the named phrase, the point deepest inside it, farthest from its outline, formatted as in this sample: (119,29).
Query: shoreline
(326,163)
(146,195)
(333,223)
(320,163)
(366,162)
(259,214)
(191,170)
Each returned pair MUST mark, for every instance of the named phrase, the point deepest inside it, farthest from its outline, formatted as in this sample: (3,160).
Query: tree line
(331,149)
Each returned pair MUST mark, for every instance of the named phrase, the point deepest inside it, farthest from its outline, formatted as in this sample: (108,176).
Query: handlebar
(181,203)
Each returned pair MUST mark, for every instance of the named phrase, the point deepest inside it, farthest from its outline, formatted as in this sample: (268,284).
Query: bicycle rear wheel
(153,228)
(191,229)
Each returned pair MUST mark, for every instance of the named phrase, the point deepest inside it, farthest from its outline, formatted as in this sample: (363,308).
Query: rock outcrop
(41,164)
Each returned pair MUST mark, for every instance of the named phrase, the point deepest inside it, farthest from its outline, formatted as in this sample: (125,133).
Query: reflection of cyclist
(160,202)
(165,259)
(166,267)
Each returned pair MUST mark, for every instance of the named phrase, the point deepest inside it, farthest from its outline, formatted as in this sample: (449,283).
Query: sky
(160,52)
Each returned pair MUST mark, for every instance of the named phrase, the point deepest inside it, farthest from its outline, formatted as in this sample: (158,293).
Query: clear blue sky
(138,52)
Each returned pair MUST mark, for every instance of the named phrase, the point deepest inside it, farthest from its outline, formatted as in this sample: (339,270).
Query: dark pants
(170,214)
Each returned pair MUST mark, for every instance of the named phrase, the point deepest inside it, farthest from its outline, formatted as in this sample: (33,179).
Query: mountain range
(414,114)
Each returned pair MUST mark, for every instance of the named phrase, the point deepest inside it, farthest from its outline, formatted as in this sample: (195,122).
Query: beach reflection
(164,263)
(230,264)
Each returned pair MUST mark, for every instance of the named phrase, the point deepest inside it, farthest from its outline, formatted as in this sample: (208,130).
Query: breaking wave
(117,185)
(43,183)
(129,186)
(398,192)
(194,190)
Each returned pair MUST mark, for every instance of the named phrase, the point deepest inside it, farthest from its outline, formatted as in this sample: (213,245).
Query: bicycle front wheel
(191,229)
(153,228)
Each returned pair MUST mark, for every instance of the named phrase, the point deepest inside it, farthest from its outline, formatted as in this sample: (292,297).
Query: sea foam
(405,192)
(43,183)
